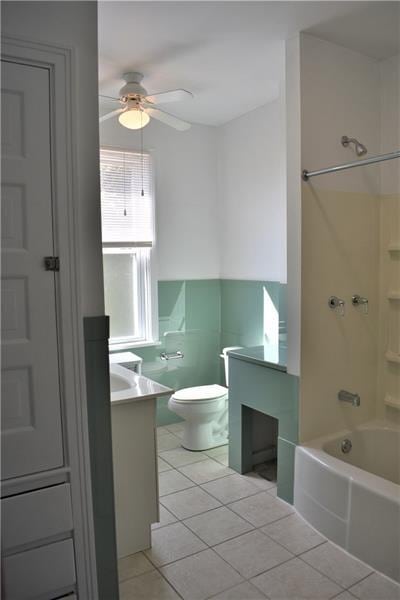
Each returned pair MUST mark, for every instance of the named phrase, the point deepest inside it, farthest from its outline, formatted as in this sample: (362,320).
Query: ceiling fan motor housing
(132,87)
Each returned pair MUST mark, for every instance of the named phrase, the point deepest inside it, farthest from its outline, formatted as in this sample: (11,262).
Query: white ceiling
(230,55)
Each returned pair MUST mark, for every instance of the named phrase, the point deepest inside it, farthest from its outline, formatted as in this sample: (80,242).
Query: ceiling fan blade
(109,98)
(166,118)
(171,96)
(111,114)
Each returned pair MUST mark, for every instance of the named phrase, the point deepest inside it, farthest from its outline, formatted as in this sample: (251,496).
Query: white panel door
(30,409)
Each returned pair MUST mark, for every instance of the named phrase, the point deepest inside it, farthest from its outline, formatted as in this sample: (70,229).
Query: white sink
(118,383)
(127,386)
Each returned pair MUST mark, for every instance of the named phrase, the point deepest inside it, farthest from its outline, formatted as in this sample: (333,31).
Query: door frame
(60,61)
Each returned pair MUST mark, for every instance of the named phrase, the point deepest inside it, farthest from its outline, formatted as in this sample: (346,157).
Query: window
(127,211)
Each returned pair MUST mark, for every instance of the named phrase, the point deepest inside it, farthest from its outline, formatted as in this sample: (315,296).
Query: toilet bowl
(204,410)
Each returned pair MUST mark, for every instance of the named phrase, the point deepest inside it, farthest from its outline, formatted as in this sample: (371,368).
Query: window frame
(147,276)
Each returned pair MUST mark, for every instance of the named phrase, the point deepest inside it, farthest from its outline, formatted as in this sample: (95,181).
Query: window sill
(127,345)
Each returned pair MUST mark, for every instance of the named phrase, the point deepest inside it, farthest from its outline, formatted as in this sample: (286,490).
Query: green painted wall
(96,332)
(271,392)
(200,317)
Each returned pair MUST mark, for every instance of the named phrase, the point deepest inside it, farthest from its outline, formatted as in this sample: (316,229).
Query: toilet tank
(224,355)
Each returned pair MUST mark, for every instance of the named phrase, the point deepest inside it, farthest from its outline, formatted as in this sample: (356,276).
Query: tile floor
(228,537)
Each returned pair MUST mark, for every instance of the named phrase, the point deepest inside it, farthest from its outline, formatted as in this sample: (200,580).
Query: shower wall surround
(199,318)
(388,399)
(346,226)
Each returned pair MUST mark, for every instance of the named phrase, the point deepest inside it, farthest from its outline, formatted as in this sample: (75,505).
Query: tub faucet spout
(353,399)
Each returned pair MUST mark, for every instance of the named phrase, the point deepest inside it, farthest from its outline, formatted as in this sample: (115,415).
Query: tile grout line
(327,576)
(254,528)
(221,557)
(293,556)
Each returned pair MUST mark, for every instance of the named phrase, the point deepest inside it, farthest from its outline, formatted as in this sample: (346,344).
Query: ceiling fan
(136,106)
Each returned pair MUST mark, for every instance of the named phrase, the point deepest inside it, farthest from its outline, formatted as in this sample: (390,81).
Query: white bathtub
(354,498)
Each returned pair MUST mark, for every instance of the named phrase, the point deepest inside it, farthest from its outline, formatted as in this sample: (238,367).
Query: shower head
(358,146)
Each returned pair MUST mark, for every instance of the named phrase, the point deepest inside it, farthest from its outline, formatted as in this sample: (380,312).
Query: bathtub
(353,498)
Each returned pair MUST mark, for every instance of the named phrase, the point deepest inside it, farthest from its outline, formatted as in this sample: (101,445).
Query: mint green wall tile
(242,309)
(271,392)
(208,315)
(286,456)
(171,306)
(203,304)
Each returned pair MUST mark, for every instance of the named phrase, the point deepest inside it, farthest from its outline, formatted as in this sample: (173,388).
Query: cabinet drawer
(39,572)
(35,516)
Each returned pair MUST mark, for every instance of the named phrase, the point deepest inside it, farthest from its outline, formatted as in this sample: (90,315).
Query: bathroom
(246,244)
(221,264)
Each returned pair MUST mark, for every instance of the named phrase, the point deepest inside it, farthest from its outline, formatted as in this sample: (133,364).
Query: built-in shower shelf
(394,247)
(393,357)
(394,295)
(392,401)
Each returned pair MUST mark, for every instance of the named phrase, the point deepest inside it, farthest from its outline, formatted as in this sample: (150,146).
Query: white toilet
(205,411)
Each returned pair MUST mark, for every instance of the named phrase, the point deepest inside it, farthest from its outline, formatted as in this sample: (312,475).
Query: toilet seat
(200,394)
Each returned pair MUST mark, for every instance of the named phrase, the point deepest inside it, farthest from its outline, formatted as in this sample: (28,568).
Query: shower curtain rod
(357,163)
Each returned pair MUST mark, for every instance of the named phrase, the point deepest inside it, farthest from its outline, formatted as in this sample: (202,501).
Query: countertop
(272,357)
(127,386)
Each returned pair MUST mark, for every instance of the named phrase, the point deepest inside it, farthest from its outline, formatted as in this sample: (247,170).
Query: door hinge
(51,263)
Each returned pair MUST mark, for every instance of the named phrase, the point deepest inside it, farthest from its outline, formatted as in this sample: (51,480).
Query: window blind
(127,216)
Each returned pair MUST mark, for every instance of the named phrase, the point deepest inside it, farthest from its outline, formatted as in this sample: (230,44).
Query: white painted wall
(220,195)
(186,195)
(339,96)
(252,195)
(74,24)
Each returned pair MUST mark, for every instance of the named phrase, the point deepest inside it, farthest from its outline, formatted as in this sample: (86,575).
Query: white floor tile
(168,441)
(162,465)
(259,481)
(150,586)
(166,518)
(206,470)
(162,431)
(252,553)
(190,502)
(232,488)
(175,427)
(376,587)
(294,580)
(133,565)
(344,596)
(179,457)
(171,543)
(273,491)
(261,509)
(217,525)
(200,576)
(217,453)
(336,564)
(294,534)
(172,481)
(243,591)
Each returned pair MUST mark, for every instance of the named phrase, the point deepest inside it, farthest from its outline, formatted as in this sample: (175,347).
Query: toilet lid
(200,392)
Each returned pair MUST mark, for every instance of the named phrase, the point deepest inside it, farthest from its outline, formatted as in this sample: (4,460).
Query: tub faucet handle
(337,304)
(358,300)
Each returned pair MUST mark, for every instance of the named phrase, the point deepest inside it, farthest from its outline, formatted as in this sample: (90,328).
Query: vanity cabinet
(134,442)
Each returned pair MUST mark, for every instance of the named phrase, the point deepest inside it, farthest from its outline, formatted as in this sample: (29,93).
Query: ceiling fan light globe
(134,118)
